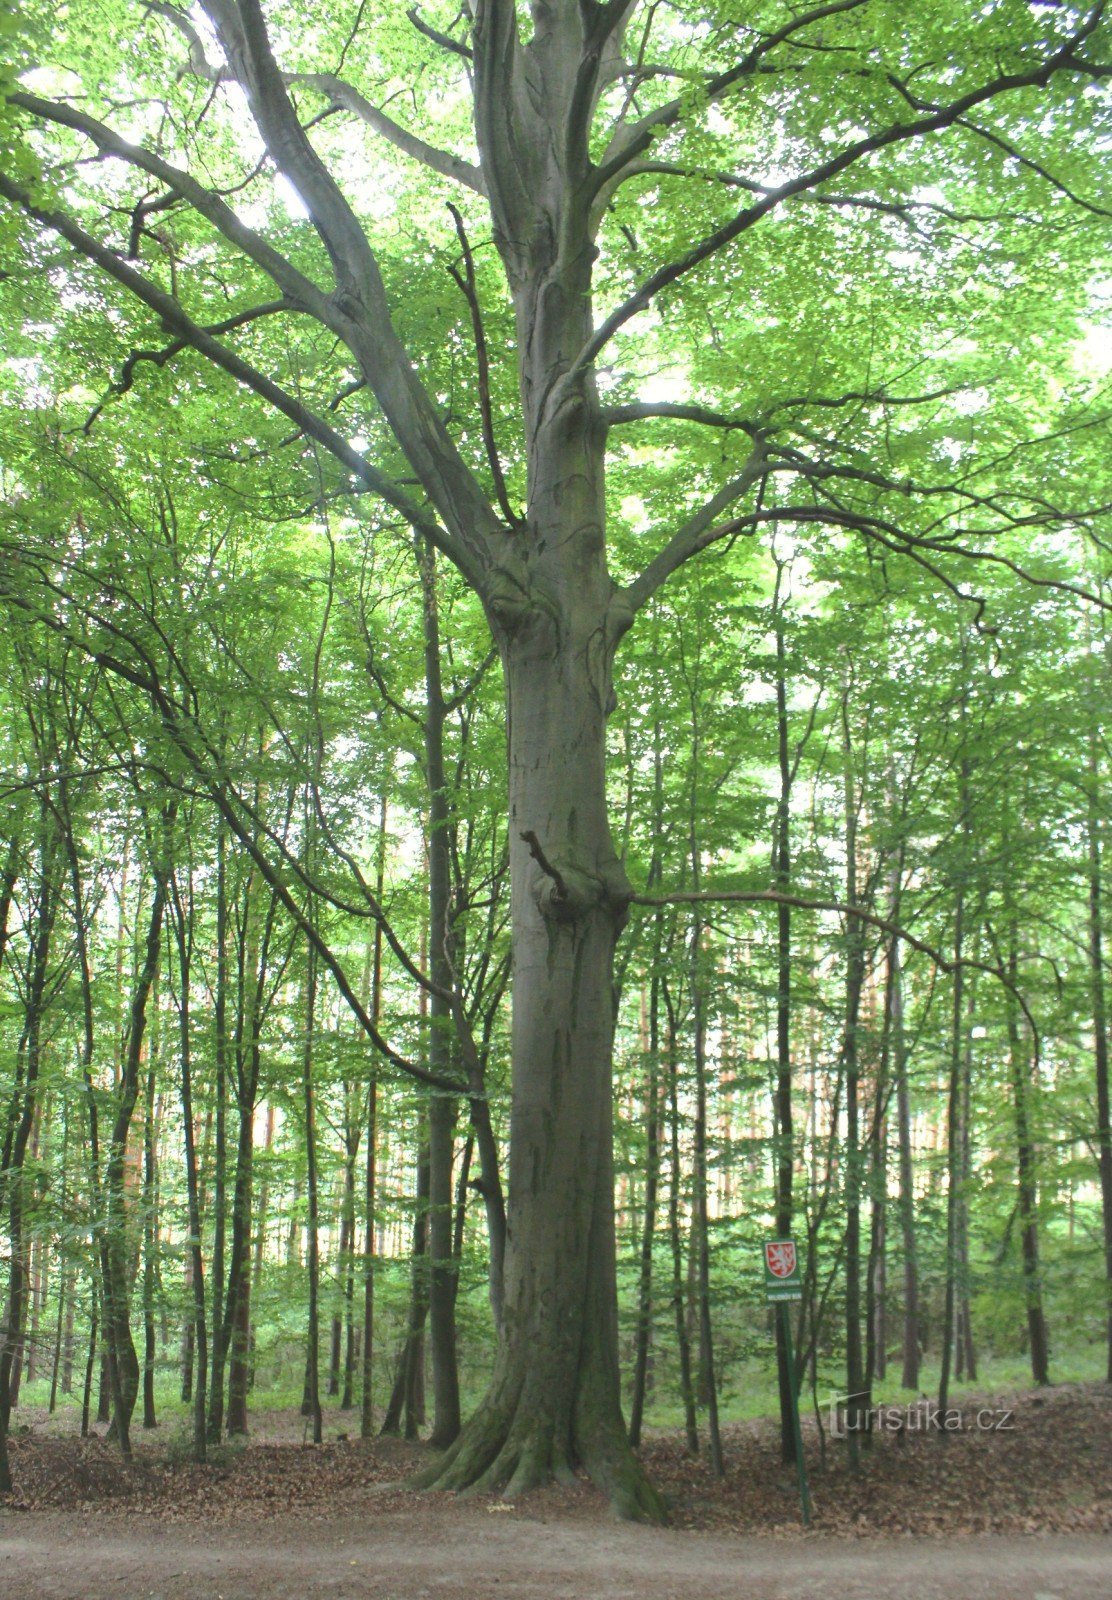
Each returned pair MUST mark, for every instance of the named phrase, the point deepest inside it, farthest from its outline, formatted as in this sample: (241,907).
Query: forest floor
(1016,1508)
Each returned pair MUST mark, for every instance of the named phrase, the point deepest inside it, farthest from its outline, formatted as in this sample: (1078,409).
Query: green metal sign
(781,1269)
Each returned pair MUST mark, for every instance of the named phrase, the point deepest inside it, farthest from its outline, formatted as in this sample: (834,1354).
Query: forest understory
(1047,1469)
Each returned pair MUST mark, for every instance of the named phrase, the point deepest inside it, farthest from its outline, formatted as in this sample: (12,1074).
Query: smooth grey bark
(857,1401)
(675,1237)
(352,1135)
(197,1327)
(1095,876)
(894,996)
(150,1238)
(442,1108)
(653,1127)
(117,1295)
(784,1144)
(311,1404)
(953,1152)
(215,1421)
(966,1362)
(1026,1178)
(370,1172)
(23,1110)
(407,1394)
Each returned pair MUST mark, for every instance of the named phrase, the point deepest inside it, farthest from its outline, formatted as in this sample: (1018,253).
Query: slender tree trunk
(311,1407)
(105,1380)
(125,1362)
(352,1132)
(966,1358)
(198,1327)
(1028,1199)
(648,1226)
(64,1274)
(953,1153)
(215,1424)
(237,1320)
(407,1396)
(442,1272)
(910,1375)
(90,1366)
(366,1411)
(336,1332)
(701,1219)
(442,1108)
(783,1140)
(675,1237)
(857,1400)
(1100,1020)
(56,1361)
(261,1227)
(150,1248)
(69,1340)
(654,1113)
(24,1106)
(39,1280)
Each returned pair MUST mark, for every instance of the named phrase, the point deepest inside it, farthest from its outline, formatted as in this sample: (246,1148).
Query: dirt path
(447,1550)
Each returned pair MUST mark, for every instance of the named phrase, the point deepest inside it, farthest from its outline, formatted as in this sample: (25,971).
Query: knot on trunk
(565,893)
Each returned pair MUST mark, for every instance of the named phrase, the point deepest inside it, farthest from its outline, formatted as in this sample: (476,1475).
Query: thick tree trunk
(554,1401)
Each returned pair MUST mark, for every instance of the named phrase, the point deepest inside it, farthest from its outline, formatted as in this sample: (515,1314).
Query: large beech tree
(646,175)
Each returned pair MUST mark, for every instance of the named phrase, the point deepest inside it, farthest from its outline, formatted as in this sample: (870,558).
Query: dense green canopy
(603,503)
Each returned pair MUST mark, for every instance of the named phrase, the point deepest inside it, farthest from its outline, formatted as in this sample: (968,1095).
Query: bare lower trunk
(1100,1025)
(687,1387)
(910,1376)
(124,1366)
(554,1403)
(1027,1182)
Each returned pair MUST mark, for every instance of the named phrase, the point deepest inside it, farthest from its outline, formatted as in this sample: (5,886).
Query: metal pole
(797,1432)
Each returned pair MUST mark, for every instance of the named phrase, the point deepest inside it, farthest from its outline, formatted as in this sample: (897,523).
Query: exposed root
(503,1450)
(465,1462)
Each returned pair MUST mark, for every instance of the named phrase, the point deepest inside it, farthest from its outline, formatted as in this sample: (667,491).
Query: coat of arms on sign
(780,1257)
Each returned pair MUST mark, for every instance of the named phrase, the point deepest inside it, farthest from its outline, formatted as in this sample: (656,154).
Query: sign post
(782,1287)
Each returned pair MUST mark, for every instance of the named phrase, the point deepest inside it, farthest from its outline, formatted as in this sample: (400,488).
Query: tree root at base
(498,1453)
